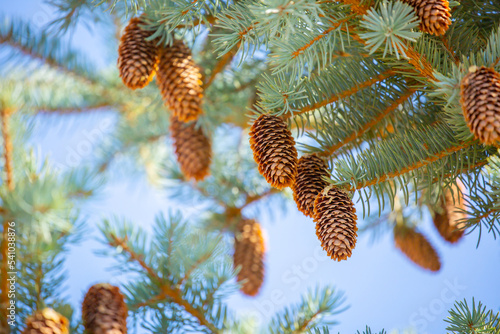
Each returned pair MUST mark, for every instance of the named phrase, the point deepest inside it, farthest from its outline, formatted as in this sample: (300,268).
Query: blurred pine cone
(335,218)
(309,182)
(46,321)
(179,80)
(416,247)
(137,57)
(447,219)
(480,99)
(193,149)
(434,15)
(274,150)
(249,256)
(104,310)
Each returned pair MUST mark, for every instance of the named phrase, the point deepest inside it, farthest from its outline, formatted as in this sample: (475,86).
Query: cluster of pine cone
(179,80)
(331,207)
(103,312)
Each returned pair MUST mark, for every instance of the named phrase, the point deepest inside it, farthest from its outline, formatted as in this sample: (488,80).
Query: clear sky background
(383,289)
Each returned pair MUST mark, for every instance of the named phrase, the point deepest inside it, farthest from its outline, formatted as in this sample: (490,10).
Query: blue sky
(383,289)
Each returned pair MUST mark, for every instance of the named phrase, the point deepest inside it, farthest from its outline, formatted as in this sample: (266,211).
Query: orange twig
(329,151)
(357,7)
(417,165)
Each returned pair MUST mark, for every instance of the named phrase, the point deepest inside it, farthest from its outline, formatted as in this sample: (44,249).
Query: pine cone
(104,311)
(274,150)
(435,16)
(335,218)
(309,182)
(249,256)
(193,149)
(46,321)
(480,99)
(447,219)
(179,80)
(137,57)
(416,247)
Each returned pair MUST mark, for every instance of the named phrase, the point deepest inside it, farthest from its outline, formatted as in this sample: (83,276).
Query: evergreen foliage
(356,82)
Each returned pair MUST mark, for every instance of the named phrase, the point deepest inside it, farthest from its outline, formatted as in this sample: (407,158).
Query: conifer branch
(413,167)
(330,150)
(173,293)
(353,90)
(419,62)
(41,46)
(9,181)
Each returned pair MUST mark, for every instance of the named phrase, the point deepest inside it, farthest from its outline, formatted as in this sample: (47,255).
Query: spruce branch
(359,132)
(173,293)
(39,45)
(353,90)
(315,309)
(439,155)
(389,24)
(463,319)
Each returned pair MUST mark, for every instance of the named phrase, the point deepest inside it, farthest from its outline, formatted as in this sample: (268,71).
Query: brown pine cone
(179,80)
(480,99)
(137,57)
(274,150)
(309,182)
(335,218)
(104,310)
(434,15)
(249,256)
(416,247)
(447,219)
(46,321)
(193,149)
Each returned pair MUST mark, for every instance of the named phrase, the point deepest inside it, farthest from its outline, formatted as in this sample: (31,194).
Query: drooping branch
(330,150)
(167,291)
(413,167)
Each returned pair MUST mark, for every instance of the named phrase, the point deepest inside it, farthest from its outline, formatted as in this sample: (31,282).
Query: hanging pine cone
(480,99)
(46,321)
(448,219)
(309,182)
(179,80)
(137,57)
(249,256)
(274,150)
(104,311)
(416,247)
(434,15)
(335,218)
(193,149)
